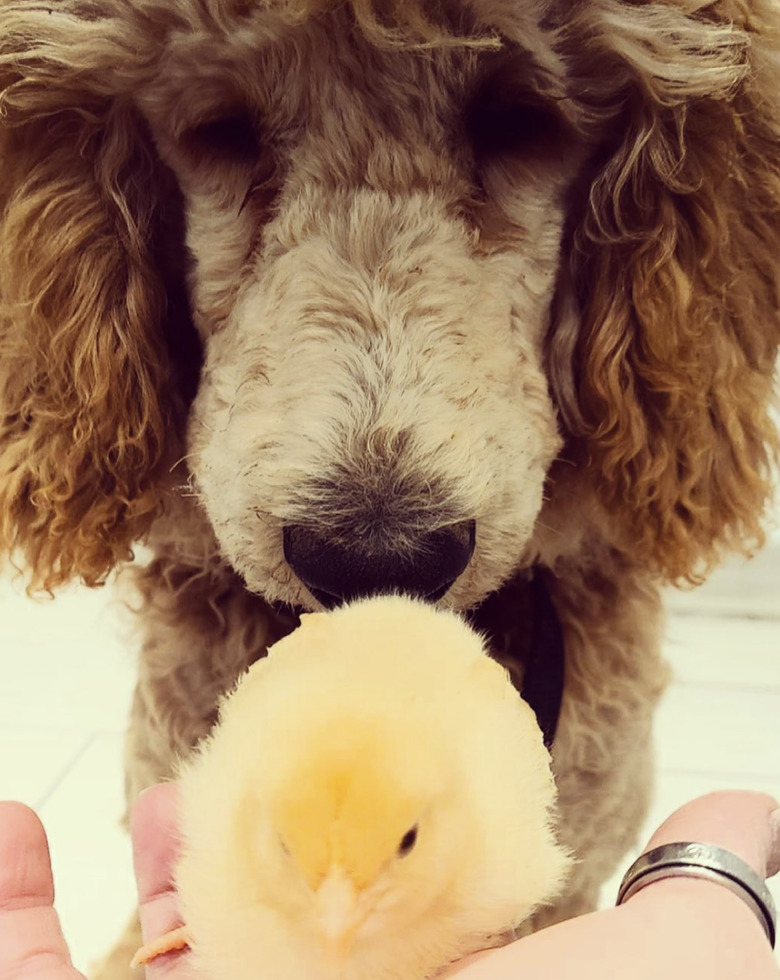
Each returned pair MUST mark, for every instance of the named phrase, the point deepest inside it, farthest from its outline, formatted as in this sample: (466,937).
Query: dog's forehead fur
(327,77)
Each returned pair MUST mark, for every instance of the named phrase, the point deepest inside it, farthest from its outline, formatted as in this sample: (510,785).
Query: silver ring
(703,861)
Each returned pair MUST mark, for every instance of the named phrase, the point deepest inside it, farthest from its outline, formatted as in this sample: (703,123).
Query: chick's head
(364,823)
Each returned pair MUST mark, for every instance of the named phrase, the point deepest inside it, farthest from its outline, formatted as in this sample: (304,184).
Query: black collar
(525,635)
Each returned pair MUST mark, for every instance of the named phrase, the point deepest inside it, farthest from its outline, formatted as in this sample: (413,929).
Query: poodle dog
(322,298)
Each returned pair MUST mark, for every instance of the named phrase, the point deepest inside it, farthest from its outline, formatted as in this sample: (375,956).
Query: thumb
(29,927)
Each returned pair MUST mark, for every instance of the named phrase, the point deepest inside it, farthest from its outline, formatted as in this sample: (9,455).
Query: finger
(740,821)
(29,927)
(153,825)
(25,870)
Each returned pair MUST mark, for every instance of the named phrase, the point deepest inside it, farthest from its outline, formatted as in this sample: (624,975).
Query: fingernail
(773,863)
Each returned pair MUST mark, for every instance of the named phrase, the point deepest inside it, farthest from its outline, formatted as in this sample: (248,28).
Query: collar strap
(525,636)
(544,669)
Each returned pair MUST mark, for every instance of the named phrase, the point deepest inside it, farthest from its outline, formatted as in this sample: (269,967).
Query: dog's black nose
(335,572)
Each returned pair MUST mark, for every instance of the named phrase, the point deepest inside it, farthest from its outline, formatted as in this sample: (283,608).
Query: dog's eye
(232,136)
(501,126)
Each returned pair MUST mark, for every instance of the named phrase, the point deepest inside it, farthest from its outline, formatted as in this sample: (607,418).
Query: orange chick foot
(169,942)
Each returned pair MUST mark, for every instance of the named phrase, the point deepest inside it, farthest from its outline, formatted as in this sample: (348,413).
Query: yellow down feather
(375,802)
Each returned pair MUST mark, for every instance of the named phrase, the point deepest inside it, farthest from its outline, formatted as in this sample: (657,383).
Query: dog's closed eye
(515,111)
(502,123)
(231,136)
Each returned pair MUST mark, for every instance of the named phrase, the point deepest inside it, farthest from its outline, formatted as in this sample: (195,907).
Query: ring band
(703,861)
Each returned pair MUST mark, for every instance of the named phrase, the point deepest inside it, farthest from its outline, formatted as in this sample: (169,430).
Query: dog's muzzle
(335,572)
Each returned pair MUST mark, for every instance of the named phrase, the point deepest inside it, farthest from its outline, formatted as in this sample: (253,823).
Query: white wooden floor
(67,671)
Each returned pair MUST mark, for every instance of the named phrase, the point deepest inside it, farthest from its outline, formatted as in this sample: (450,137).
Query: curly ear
(83,365)
(674,262)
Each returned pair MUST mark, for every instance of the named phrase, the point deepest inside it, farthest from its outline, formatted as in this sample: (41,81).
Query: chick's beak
(338,912)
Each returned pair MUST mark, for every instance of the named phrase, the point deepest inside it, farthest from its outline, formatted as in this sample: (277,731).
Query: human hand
(679,928)
(32,945)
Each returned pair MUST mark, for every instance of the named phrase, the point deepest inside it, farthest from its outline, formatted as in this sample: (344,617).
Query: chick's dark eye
(232,136)
(408,841)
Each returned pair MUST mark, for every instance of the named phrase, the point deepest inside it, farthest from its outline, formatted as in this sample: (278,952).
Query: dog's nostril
(334,572)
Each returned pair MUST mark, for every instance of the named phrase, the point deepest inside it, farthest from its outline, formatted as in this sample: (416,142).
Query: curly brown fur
(673,259)
(88,414)
(379,269)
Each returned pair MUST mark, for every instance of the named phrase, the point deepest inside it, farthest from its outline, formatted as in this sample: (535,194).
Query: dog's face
(375,237)
(427,243)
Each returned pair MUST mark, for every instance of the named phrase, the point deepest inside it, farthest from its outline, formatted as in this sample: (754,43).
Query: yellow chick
(375,803)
